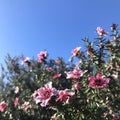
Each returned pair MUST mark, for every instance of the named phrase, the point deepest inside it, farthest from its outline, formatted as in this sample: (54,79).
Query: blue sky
(30,26)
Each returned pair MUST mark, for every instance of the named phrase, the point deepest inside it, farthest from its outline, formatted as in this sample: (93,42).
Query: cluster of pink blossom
(41,56)
(75,74)
(77,90)
(24,106)
(44,95)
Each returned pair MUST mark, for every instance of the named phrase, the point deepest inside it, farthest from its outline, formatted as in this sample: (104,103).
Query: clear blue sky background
(30,26)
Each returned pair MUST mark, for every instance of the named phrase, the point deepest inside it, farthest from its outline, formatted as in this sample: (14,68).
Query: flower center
(47,94)
(98,82)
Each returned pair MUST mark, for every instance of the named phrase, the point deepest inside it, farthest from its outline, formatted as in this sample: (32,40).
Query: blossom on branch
(75,74)
(57,76)
(3,105)
(49,69)
(75,52)
(98,82)
(77,86)
(44,94)
(101,32)
(25,106)
(41,56)
(64,95)
(16,90)
(16,101)
(26,60)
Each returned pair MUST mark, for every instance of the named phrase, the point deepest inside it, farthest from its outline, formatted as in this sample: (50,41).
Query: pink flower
(57,76)
(16,101)
(26,60)
(44,94)
(25,105)
(16,90)
(3,105)
(98,82)
(64,95)
(115,116)
(75,74)
(88,52)
(41,56)
(35,94)
(105,114)
(101,32)
(78,63)
(49,69)
(75,53)
(77,86)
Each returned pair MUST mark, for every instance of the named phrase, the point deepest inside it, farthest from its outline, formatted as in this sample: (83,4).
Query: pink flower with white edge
(3,105)
(16,101)
(99,81)
(41,56)
(77,86)
(35,94)
(57,76)
(49,69)
(26,60)
(101,32)
(88,52)
(44,94)
(75,51)
(75,74)
(25,105)
(16,90)
(64,95)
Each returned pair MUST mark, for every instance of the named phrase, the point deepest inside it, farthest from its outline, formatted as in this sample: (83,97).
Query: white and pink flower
(41,56)
(58,75)
(16,101)
(16,90)
(26,60)
(25,105)
(3,105)
(44,94)
(75,74)
(75,53)
(98,82)
(64,95)
(101,32)
(49,69)
(77,86)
